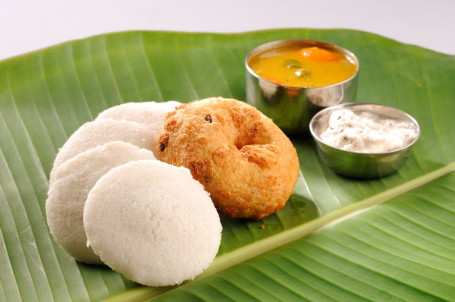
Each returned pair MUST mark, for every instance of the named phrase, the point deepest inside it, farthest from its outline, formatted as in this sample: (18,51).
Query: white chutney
(367,132)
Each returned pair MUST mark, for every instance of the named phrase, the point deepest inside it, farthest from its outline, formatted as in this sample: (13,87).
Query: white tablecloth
(29,25)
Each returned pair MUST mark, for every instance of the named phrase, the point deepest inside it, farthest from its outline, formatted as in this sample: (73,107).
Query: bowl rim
(279,43)
(317,138)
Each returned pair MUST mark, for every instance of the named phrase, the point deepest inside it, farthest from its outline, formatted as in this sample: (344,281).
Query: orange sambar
(303,66)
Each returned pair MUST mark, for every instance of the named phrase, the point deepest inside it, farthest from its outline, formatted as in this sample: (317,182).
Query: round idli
(146,113)
(152,222)
(99,132)
(150,114)
(67,194)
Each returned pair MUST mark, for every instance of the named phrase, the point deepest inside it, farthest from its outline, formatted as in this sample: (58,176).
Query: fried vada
(239,155)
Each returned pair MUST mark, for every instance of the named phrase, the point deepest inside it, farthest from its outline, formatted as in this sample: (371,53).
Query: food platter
(323,245)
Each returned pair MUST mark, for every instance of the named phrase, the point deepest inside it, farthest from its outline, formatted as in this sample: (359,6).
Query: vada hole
(242,143)
(251,138)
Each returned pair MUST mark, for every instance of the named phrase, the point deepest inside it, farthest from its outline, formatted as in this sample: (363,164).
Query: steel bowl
(290,107)
(359,164)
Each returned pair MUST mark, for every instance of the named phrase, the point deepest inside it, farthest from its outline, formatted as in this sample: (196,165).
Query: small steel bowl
(358,164)
(290,107)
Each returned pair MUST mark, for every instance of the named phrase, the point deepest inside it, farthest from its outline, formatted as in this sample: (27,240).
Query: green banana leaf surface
(337,239)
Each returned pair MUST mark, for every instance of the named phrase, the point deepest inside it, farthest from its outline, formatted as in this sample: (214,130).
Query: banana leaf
(337,238)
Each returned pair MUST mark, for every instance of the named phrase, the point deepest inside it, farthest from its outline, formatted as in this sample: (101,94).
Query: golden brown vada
(239,155)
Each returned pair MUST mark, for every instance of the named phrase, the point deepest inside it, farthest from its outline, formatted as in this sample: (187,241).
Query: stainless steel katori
(357,164)
(292,108)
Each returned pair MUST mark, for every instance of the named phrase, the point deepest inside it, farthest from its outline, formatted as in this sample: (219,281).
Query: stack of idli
(69,189)
(149,114)
(111,201)
(98,132)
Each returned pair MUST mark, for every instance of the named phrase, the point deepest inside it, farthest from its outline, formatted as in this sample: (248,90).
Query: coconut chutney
(367,132)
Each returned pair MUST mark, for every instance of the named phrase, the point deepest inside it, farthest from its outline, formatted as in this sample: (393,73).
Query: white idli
(68,192)
(150,114)
(146,113)
(99,132)
(152,222)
